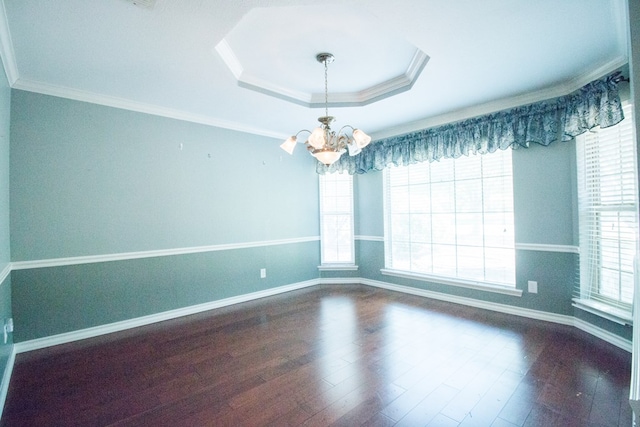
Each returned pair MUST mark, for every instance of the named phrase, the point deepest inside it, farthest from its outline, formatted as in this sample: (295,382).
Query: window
(336,218)
(452,219)
(608,218)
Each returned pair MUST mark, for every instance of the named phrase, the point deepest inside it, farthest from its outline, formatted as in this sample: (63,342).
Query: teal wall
(53,300)
(5,285)
(545,213)
(93,180)
(88,179)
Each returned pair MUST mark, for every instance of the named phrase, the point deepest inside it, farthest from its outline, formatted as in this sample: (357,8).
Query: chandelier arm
(303,130)
(346,126)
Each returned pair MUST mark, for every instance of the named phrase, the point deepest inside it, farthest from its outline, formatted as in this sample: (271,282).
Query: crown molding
(564,88)
(140,107)
(6,48)
(385,89)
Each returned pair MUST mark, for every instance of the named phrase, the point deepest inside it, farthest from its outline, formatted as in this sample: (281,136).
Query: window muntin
(336,219)
(452,218)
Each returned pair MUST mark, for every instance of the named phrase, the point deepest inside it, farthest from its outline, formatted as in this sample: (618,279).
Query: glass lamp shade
(354,148)
(361,138)
(327,156)
(289,145)
(316,139)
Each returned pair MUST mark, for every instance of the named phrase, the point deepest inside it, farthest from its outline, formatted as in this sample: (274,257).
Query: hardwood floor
(331,355)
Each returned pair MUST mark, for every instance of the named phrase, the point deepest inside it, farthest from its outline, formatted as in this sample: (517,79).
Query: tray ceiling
(251,65)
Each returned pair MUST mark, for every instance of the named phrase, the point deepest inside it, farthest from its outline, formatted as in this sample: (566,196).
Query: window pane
(447,218)
(336,218)
(471,262)
(444,260)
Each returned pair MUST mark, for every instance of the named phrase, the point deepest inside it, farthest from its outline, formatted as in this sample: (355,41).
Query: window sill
(470,284)
(338,267)
(617,315)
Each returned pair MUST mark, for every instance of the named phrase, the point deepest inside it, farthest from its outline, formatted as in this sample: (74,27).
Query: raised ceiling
(251,65)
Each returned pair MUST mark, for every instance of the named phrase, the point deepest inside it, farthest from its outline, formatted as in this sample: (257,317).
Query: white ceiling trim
(11,69)
(506,103)
(385,89)
(391,87)
(125,104)
(454,116)
(6,48)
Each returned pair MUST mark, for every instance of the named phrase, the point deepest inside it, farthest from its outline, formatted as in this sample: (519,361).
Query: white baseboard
(509,309)
(501,308)
(6,378)
(603,334)
(81,334)
(39,343)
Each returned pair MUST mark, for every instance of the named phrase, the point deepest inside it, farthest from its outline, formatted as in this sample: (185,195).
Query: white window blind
(452,218)
(608,213)
(336,218)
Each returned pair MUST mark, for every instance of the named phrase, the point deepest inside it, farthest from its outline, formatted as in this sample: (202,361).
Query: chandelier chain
(326,89)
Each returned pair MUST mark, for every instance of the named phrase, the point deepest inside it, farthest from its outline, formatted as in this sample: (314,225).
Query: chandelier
(323,143)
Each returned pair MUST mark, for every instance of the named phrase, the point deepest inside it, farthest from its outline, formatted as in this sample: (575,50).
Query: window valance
(558,119)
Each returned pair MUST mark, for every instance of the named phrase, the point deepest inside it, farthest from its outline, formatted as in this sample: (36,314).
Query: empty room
(291,212)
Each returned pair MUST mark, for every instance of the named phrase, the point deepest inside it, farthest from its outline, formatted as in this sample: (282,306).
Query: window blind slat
(607,200)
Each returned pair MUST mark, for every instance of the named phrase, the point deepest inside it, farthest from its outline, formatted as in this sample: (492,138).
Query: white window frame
(589,298)
(339,241)
(507,286)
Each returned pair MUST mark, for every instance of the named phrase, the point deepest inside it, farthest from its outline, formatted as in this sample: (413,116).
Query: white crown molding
(125,104)
(382,90)
(229,58)
(6,48)
(547,248)
(551,92)
(5,273)
(58,262)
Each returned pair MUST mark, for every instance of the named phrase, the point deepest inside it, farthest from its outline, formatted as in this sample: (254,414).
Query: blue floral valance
(595,104)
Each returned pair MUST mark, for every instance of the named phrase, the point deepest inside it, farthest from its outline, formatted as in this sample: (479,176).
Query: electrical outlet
(263,273)
(533,287)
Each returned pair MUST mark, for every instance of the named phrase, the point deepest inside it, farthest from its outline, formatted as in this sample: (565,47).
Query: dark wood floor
(332,355)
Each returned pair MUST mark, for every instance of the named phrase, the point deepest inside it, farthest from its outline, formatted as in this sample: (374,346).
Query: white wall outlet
(263,273)
(533,287)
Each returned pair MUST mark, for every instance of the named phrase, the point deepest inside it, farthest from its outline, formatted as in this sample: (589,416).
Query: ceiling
(251,65)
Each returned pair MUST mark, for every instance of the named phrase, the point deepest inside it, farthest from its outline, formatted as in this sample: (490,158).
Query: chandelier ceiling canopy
(323,143)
